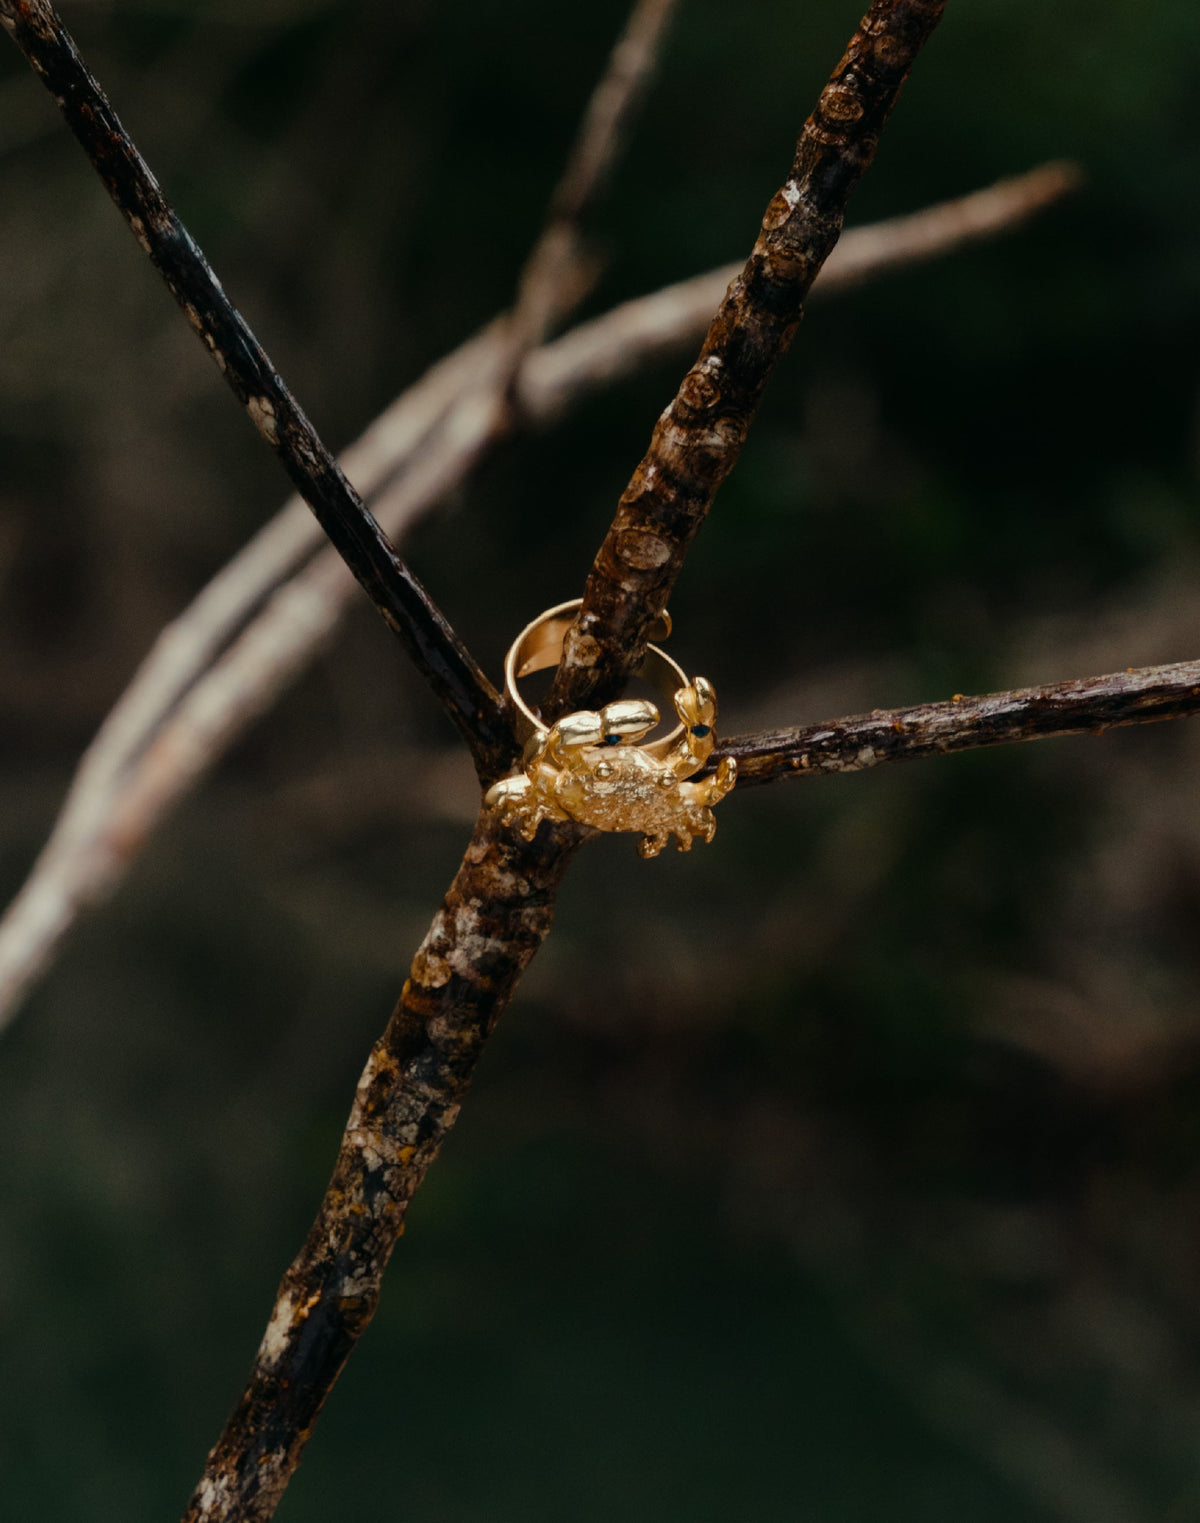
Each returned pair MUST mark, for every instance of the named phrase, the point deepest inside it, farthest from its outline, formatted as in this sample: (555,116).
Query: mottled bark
(463,690)
(1082,706)
(697,440)
(495,916)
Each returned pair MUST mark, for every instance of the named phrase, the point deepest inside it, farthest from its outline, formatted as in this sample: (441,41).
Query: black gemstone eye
(612,740)
(702,730)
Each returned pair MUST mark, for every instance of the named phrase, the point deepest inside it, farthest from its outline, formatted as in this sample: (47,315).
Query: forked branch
(490,925)
(258,623)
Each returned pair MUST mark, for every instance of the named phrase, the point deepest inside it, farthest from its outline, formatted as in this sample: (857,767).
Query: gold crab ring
(590,766)
(540,644)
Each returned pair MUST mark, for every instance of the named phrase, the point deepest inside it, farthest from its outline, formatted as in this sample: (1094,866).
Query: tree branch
(697,440)
(490,925)
(655,326)
(460,685)
(494,917)
(263,617)
(555,273)
(1082,706)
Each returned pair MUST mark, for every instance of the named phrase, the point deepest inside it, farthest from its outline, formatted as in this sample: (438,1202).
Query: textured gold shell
(590,768)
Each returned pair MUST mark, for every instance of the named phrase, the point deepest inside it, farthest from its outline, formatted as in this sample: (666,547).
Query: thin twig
(556,272)
(1082,706)
(459,683)
(196,691)
(491,923)
(697,440)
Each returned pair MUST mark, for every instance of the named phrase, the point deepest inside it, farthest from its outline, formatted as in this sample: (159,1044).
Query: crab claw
(584,728)
(697,703)
(507,793)
(627,720)
(696,706)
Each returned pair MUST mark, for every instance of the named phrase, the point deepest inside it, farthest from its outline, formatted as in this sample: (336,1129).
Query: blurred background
(848,1170)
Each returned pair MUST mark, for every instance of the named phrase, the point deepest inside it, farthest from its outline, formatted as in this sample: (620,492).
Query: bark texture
(1082,706)
(697,440)
(493,919)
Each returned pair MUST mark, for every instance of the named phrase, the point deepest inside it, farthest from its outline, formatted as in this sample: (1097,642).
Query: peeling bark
(191,697)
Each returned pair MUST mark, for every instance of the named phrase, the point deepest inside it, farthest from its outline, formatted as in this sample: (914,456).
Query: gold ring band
(540,644)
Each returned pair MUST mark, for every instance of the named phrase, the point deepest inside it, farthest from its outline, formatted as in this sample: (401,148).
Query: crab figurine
(588,767)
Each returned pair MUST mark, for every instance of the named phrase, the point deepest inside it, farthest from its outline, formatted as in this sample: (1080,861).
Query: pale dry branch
(557,272)
(262,619)
(211,673)
(654,327)
(500,905)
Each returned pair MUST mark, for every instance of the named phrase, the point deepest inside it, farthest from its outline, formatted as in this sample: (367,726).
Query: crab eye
(702,730)
(611,740)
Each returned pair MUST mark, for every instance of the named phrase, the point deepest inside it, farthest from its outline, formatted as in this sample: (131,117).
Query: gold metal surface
(588,767)
(540,644)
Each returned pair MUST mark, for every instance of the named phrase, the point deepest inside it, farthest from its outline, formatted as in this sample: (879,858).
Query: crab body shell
(588,769)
